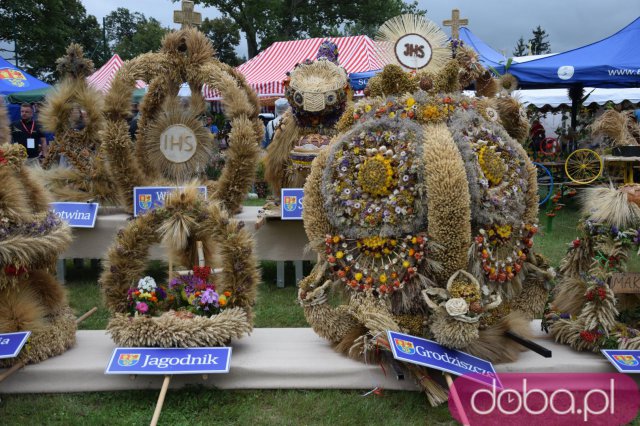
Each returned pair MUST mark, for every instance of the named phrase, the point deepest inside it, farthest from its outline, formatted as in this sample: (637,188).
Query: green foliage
(521,48)
(539,43)
(43,29)
(266,21)
(225,36)
(131,34)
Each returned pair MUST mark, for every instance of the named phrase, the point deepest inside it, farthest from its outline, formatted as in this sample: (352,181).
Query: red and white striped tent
(102,78)
(266,71)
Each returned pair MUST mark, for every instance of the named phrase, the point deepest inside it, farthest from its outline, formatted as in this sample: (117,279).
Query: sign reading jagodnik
(169,361)
(12,343)
(626,361)
(291,203)
(147,198)
(77,215)
(431,354)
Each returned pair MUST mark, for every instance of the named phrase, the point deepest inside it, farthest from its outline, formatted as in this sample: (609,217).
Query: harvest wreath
(194,309)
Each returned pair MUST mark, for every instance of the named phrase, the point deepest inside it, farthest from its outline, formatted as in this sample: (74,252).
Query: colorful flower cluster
(146,298)
(374,263)
(501,256)
(374,180)
(37,227)
(196,294)
(434,110)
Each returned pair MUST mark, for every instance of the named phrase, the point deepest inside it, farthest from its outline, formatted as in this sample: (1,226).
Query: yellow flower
(367,108)
(358,276)
(336,239)
(392,114)
(406,264)
(411,102)
(339,255)
(383,278)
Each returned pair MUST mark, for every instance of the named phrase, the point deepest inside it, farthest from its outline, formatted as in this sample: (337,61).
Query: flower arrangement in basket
(204,306)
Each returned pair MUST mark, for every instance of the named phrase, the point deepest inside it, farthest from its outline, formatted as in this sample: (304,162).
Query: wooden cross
(455,23)
(186,16)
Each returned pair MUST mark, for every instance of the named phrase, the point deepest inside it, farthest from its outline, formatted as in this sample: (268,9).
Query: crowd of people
(28,132)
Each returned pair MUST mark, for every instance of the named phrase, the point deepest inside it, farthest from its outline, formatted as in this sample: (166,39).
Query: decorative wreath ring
(164,71)
(199,221)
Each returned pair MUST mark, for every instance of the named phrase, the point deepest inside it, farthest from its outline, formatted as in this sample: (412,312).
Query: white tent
(557,97)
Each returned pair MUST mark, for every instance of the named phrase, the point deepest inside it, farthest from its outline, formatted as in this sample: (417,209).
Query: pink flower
(142,307)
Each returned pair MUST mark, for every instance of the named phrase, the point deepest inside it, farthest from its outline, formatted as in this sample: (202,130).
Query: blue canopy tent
(359,80)
(487,55)
(14,80)
(608,63)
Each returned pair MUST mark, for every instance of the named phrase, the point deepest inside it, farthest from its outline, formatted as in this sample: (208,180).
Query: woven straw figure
(424,209)
(31,238)
(172,147)
(77,169)
(317,92)
(595,304)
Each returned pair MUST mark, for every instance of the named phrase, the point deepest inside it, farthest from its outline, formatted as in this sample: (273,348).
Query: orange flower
(222,302)
(227,293)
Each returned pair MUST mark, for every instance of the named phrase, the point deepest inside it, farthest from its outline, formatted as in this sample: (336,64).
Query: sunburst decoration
(175,114)
(429,44)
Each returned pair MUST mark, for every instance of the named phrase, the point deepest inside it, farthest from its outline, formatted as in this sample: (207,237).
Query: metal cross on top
(455,23)
(186,16)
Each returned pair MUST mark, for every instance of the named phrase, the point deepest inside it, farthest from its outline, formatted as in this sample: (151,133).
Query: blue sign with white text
(147,198)
(11,343)
(169,361)
(626,361)
(291,203)
(77,215)
(431,354)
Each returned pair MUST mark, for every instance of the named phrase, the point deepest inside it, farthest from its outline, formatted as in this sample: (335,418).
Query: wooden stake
(87,314)
(200,253)
(13,369)
(456,400)
(163,393)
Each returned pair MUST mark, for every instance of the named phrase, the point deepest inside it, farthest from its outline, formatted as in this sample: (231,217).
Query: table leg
(298,266)
(280,274)
(60,270)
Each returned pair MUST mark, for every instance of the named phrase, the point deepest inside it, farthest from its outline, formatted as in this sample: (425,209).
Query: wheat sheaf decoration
(413,42)
(31,239)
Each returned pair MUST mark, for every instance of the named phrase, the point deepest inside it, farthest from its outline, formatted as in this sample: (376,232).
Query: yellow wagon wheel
(583,166)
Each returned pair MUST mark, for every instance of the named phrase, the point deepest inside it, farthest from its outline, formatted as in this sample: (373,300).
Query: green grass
(201,406)
(275,307)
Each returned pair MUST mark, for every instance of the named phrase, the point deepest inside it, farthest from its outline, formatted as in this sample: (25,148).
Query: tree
(521,48)
(225,36)
(42,30)
(131,34)
(539,43)
(266,21)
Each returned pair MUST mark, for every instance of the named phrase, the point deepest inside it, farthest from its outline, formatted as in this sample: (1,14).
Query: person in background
(281,106)
(27,133)
(211,126)
(133,121)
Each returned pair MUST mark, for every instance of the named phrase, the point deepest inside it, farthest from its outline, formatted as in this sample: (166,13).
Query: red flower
(202,272)
(13,271)
(588,336)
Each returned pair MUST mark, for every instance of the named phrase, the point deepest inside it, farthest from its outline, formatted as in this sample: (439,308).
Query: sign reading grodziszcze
(12,343)
(169,361)
(431,354)
(77,215)
(291,203)
(147,198)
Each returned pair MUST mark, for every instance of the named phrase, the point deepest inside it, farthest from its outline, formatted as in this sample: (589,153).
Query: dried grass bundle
(617,126)
(609,206)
